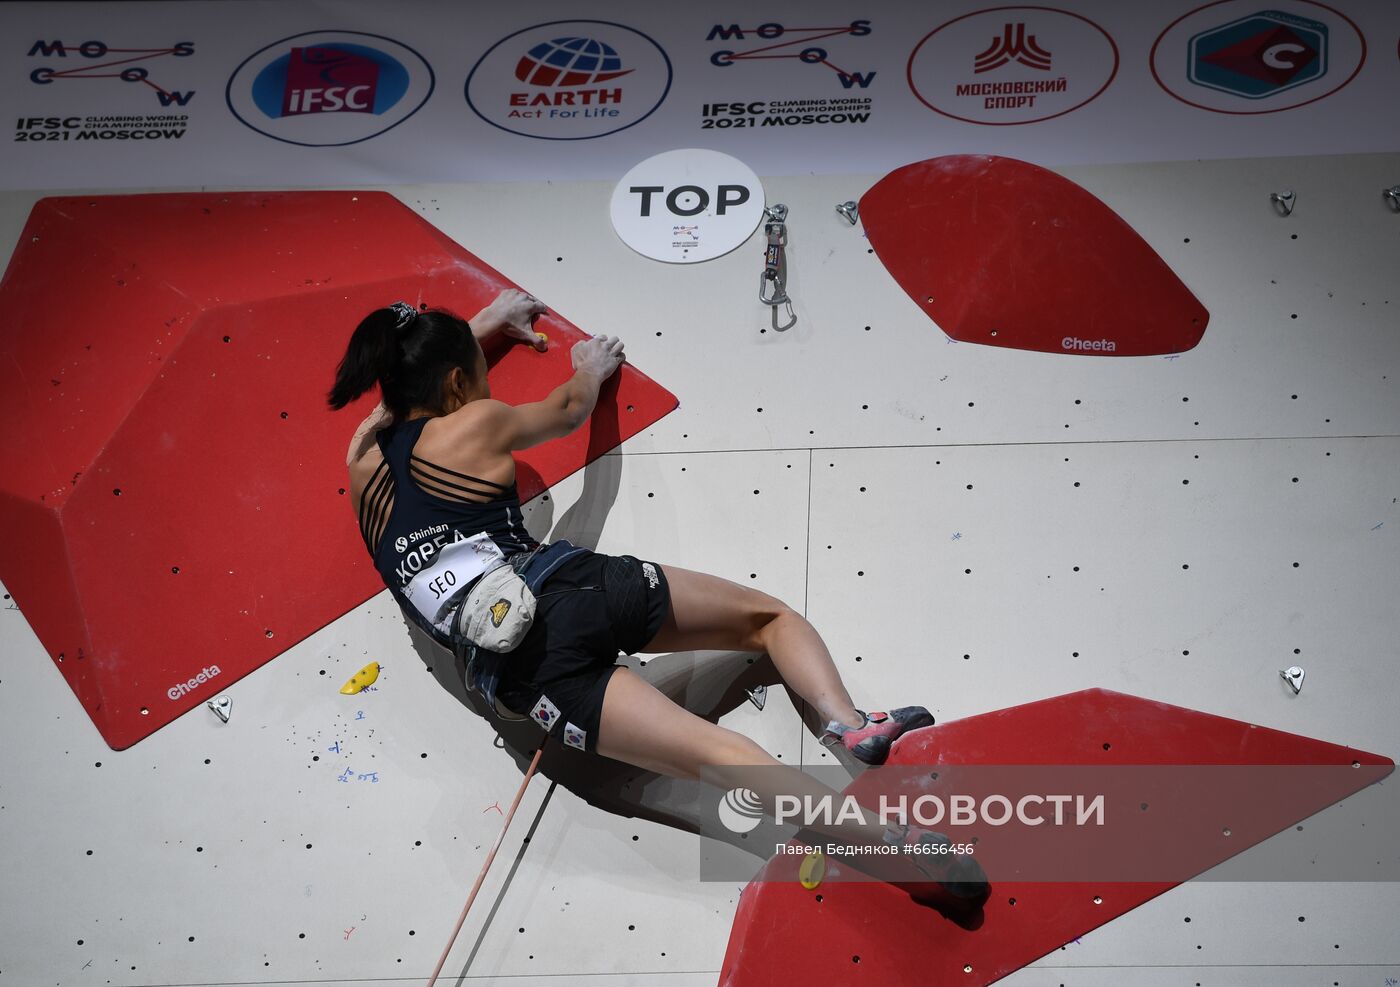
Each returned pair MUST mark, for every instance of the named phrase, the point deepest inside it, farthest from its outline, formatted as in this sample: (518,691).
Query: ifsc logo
(1240,59)
(569,80)
(329,88)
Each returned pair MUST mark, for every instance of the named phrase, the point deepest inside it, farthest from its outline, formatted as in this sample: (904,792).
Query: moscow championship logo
(1012,65)
(96,90)
(328,88)
(805,75)
(1233,57)
(569,80)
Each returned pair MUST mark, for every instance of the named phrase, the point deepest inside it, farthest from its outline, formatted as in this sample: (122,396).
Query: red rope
(486,866)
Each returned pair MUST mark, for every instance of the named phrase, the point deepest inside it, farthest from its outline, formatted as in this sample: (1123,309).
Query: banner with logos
(344,92)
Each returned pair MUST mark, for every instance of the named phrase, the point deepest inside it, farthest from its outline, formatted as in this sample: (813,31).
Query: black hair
(409,362)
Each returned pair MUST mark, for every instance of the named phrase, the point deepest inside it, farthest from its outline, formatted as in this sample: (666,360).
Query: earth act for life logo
(570,62)
(1239,59)
(569,80)
(329,87)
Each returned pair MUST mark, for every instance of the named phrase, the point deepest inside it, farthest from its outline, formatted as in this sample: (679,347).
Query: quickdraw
(772,284)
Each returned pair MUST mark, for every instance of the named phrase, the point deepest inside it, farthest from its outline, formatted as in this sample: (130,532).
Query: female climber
(432,482)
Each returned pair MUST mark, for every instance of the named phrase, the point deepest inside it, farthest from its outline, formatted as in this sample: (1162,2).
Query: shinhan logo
(570,62)
(185,688)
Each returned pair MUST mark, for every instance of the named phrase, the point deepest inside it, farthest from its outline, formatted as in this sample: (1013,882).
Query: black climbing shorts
(592,608)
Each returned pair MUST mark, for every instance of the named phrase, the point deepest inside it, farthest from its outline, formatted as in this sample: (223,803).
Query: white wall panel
(1160,569)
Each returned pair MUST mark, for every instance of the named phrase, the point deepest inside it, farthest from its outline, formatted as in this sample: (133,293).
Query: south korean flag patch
(574,737)
(545,714)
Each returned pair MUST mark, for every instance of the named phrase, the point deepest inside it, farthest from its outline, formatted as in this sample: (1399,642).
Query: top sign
(687,205)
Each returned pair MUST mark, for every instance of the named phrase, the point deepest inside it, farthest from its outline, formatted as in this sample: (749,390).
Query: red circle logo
(1012,65)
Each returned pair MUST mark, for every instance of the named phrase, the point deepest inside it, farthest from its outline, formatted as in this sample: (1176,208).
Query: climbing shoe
(871,743)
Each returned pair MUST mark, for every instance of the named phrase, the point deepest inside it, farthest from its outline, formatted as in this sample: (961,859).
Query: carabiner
(772,283)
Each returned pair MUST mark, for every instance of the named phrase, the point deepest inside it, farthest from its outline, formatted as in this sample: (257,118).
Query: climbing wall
(1182,791)
(970,527)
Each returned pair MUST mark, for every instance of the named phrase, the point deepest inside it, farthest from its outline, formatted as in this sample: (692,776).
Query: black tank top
(430,529)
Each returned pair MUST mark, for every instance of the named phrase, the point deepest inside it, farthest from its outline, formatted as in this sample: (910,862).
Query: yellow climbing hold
(361,680)
(812,871)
